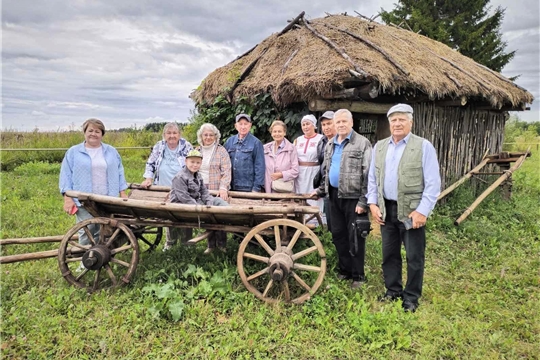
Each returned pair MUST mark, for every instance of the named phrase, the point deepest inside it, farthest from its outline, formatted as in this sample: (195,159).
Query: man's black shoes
(389,297)
(409,306)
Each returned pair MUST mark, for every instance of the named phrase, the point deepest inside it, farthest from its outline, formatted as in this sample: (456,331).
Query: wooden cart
(279,258)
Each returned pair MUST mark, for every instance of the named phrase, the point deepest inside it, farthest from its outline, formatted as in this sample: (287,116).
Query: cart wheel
(142,233)
(290,268)
(108,262)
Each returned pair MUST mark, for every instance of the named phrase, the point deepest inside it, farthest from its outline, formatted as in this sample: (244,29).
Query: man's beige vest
(410,176)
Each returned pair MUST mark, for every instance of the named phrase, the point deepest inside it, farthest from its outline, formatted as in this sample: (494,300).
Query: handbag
(282,186)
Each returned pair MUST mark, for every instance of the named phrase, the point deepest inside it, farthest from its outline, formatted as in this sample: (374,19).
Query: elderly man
(329,130)
(247,157)
(346,163)
(404,183)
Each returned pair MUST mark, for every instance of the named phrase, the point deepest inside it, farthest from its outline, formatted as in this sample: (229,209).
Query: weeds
(480,298)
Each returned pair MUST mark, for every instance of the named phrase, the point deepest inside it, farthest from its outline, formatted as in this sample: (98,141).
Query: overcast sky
(130,62)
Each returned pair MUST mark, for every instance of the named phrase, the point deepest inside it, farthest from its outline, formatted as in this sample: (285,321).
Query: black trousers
(393,235)
(343,215)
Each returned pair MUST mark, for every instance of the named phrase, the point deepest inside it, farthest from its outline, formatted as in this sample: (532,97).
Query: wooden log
(458,84)
(244,74)
(377,48)
(35,256)
(353,106)
(353,81)
(35,240)
(199,238)
(342,94)
(362,73)
(369,91)
(490,189)
(291,24)
(286,65)
(462,180)
(244,54)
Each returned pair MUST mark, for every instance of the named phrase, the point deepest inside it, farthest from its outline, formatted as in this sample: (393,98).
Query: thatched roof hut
(342,61)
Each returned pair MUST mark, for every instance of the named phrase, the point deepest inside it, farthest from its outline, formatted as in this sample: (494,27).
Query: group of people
(397,181)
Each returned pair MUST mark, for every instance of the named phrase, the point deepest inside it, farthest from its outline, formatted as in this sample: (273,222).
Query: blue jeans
(82,215)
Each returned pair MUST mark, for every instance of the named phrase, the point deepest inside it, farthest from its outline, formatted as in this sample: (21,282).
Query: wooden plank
(35,240)
(353,106)
(490,189)
(35,256)
(199,238)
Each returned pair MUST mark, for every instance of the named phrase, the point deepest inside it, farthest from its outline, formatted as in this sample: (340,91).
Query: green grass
(481,291)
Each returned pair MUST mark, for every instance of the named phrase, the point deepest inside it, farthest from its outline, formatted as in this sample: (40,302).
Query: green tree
(467,26)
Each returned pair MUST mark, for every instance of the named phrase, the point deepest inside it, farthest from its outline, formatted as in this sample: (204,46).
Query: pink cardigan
(285,162)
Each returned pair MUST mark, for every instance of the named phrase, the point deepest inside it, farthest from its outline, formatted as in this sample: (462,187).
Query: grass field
(481,291)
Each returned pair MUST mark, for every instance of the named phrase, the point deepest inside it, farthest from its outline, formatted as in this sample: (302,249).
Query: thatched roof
(298,65)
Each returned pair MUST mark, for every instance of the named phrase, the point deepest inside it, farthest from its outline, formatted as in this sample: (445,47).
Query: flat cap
(243,116)
(400,108)
(327,115)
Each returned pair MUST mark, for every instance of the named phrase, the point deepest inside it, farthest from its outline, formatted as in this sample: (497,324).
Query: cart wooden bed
(279,258)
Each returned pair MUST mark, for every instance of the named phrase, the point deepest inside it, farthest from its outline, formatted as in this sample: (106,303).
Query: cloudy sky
(133,62)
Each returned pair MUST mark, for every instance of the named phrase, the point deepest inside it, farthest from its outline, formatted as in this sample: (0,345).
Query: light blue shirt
(169,167)
(430,167)
(76,171)
(335,163)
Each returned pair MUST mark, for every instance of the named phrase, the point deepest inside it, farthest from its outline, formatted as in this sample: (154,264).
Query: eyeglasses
(209,135)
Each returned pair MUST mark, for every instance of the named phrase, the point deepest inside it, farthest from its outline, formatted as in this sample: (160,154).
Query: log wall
(460,135)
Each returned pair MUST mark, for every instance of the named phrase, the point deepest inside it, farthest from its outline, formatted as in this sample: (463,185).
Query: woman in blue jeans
(91,167)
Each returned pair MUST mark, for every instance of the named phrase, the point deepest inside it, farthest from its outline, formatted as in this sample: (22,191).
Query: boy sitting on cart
(188,187)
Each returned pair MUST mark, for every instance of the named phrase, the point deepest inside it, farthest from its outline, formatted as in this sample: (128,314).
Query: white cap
(400,108)
(312,119)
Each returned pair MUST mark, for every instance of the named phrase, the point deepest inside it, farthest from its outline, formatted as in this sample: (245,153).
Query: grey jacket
(188,188)
(353,169)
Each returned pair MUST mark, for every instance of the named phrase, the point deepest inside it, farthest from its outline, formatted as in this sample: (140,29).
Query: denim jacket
(76,171)
(152,165)
(247,160)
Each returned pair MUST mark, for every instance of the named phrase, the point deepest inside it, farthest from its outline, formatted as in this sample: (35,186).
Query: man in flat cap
(403,186)
(329,131)
(247,157)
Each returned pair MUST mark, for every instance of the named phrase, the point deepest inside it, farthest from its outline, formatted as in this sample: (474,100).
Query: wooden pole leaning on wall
(467,176)
(493,186)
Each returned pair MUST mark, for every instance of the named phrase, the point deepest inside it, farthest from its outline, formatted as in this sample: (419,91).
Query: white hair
(168,126)
(345,112)
(408,115)
(203,128)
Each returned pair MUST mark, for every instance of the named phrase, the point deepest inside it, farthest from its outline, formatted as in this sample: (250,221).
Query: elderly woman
(168,157)
(281,160)
(92,167)
(216,174)
(306,146)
